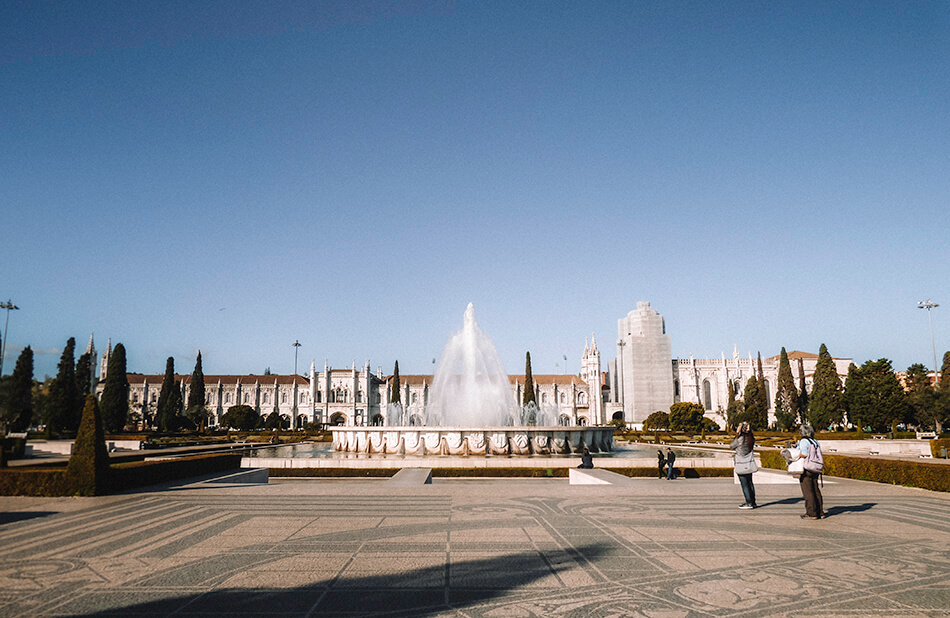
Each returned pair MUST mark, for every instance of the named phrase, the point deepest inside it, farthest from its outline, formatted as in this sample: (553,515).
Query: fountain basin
(502,441)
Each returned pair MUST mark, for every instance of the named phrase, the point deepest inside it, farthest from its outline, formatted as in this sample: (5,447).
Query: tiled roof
(539,379)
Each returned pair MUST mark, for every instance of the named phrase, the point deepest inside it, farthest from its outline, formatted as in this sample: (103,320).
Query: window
(264,398)
(676,388)
(563,397)
(283,397)
(415,397)
(227,398)
(768,395)
(135,397)
(544,397)
(247,397)
(707,395)
(153,397)
(319,397)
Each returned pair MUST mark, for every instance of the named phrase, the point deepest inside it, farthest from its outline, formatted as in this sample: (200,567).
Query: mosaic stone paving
(517,548)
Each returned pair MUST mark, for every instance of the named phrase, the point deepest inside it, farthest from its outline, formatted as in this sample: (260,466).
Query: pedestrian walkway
(499,547)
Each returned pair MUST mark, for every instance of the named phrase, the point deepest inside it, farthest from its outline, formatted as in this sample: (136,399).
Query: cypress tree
(196,396)
(115,393)
(756,414)
(879,399)
(394,388)
(734,409)
(19,392)
(825,406)
(802,393)
(88,470)
(528,395)
(786,395)
(943,394)
(83,377)
(852,396)
(166,405)
(61,405)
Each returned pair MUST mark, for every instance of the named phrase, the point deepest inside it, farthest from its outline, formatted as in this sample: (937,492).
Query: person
(814,508)
(660,461)
(670,458)
(744,463)
(586,460)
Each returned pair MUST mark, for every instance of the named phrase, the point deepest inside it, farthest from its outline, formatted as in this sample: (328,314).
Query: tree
(17,403)
(852,396)
(88,468)
(84,373)
(921,396)
(273,421)
(115,392)
(943,394)
(685,416)
(825,406)
(734,409)
(802,393)
(169,399)
(657,420)
(394,389)
(786,396)
(241,417)
(756,411)
(197,411)
(61,405)
(877,399)
(528,395)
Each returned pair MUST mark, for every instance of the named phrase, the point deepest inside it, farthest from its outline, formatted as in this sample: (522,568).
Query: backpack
(814,462)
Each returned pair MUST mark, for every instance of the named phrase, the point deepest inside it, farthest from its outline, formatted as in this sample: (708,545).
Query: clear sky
(234,176)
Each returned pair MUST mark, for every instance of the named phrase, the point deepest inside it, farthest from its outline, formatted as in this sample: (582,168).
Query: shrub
(49,482)
(88,468)
(932,476)
(936,444)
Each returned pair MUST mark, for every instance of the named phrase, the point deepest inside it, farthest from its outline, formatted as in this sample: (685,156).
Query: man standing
(670,459)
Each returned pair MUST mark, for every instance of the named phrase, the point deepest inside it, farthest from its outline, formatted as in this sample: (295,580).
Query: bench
(597,476)
(411,477)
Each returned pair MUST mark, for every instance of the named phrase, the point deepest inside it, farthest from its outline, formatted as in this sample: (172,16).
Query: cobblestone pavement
(515,547)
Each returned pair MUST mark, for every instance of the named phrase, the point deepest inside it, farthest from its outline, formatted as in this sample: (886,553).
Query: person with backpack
(814,464)
(744,463)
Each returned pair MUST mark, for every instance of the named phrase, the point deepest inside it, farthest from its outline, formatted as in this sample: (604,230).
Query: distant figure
(814,507)
(586,460)
(660,462)
(670,458)
(744,463)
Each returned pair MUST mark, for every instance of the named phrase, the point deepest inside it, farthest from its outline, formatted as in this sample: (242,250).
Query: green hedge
(143,473)
(53,482)
(936,444)
(47,482)
(932,476)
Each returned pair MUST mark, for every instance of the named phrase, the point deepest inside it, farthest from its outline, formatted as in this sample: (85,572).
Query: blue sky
(233,176)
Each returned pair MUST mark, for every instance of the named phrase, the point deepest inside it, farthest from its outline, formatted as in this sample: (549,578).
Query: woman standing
(809,479)
(660,461)
(744,463)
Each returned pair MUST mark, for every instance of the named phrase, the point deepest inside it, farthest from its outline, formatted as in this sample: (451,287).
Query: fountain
(471,411)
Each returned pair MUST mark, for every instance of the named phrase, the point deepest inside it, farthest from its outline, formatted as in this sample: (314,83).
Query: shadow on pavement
(857,508)
(414,592)
(9,518)
(783,501)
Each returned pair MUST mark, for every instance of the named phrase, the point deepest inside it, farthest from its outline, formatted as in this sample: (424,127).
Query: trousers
(811,493)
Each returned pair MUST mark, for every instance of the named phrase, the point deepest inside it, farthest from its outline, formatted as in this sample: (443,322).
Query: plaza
(466,547)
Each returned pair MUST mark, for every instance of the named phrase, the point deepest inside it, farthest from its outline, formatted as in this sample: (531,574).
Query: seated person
(586,460)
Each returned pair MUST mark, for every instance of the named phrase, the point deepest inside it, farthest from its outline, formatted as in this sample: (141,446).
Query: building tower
(104,366)
(591,374)
(645,364)
(93,361)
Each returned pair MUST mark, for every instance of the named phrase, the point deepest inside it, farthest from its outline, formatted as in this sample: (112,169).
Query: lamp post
(9,306)
(296,345)
(928,305)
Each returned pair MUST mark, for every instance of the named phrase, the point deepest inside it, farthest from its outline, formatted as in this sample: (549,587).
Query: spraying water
(470,387)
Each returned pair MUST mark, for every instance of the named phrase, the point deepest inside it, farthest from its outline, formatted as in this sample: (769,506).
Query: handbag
(745,464)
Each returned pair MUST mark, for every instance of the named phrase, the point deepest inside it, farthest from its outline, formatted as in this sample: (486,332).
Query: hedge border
(484,472)
(921,474)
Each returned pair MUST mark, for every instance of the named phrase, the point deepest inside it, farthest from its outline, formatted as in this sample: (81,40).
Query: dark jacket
(670,457)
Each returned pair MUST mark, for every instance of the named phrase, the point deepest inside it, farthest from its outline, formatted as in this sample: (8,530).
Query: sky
(236,176)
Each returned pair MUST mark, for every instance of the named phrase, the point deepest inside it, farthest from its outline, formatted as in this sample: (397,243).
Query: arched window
(582,398)
(319,397)
(227,398)
(544,397)
(563,397)
(707,395)
(768,395)
(247,397)
(135,397)
(676,388)
(415,398)
(359,397)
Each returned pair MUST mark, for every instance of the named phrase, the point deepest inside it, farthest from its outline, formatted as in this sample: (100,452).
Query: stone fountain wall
(501,441)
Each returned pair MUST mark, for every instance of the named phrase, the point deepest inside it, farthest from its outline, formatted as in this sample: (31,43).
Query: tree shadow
(414,592)
(9,518)
(857,508)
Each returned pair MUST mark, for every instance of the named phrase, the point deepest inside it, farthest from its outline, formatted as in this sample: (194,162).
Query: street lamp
(9,306)
(296,345)
(928,305)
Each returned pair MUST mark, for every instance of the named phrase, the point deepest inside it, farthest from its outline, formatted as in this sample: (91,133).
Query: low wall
(476,462)
(905,448)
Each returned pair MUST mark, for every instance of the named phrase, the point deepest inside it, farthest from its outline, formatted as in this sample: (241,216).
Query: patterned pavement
(500,548)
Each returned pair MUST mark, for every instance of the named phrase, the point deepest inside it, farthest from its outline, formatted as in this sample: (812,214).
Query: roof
(798,354)
(539,379)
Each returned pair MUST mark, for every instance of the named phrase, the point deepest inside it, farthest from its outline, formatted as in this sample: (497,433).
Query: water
(470,387)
